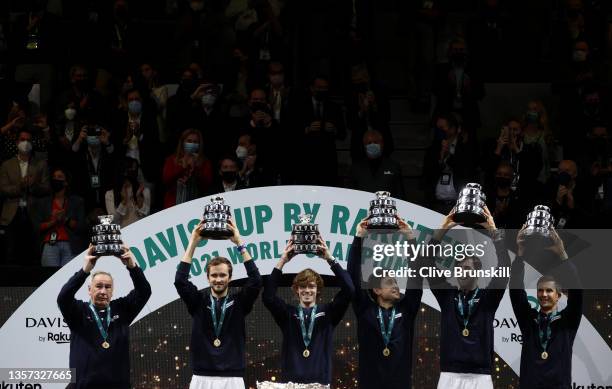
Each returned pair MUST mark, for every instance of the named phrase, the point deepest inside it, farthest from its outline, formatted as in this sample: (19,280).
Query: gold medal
(386,352)
(544,355)
(105,344)
(465,332)
(217,342)
(306,353)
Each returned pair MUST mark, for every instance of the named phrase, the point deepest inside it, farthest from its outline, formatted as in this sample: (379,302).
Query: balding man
(99,328)
(377,172)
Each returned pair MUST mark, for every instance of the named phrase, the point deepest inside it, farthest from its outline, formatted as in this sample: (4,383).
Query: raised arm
(68,305)
(342,299)
(250,291)
(518,296)
(354,267)
(138,297)
(276,305)
(188,291)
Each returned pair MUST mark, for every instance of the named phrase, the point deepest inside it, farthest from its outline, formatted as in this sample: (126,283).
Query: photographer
(94,166)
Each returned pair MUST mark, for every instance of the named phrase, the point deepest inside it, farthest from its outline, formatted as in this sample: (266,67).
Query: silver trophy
(383,212)
(106,237)
(471,202)
(305,236)
(216,220)
(539,226)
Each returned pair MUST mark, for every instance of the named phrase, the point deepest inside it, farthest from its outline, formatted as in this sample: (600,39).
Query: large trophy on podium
(106,237)
(305,236)
(216,219)
(383,213)
(469,209)
(539,226)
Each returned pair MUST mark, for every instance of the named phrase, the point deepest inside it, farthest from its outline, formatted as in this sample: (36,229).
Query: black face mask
(361,88)
(599,146)
(321,95)
(503,182)
(82,85)
(564,179)
(131,174)
(458,58)
(57,185)
(188,86)
(259,106)
(229,176)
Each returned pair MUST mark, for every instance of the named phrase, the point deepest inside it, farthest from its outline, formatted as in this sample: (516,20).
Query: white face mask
(241,152)
(208,100)
(24,147)
(70,113)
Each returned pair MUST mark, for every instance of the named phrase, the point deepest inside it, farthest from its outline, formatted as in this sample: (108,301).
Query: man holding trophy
(99,340)
(385,321)
(548,334)
(308,326)
(467,311)
(218,333)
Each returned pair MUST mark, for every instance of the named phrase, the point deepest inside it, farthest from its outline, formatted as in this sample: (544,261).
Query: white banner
(36,336)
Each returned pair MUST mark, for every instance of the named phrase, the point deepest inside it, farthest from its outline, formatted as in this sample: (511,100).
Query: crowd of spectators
(259,92)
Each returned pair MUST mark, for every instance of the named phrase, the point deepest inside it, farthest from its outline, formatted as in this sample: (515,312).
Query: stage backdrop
(36,336)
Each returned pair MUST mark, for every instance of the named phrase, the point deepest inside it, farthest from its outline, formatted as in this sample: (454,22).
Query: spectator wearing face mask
(458,87)
(137,135)
(537,136)
(66,132)
(367,108)
(129,200)
(503,200)
(568,197)
(94,165)
(18,121)
(22,179)
(280,96)
(89,103)
(59,221)
(449,164)
(209,115)
(377,172)
(158,92)
(228,176)
(187,174)
(252,173)
(322,123)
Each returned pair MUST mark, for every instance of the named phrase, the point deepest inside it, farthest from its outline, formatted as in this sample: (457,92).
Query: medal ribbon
(213,310)
(546,334)
(307,337)
(386,333)
(103,332)
(466,318)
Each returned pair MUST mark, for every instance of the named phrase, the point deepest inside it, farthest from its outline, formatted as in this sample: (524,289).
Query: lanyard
(466,318)
(546,334)
(103,332)
(217,324)
(386,333)
(307,337)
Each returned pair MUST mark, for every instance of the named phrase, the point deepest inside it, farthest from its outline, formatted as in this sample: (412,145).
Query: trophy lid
(105,219)
(473,185)
(381,194)
(305,218)
(541,208)
(217,200)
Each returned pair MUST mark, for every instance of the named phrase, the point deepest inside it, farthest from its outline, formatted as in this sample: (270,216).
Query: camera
(94,130)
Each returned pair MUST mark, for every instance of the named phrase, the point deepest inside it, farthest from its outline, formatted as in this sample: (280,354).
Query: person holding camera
(100,327)
(217,351)
(94,165)
(308,326)
(567,197)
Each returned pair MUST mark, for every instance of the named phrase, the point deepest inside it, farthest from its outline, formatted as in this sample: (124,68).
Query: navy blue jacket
(376,370)
(555,371)
(228,360)
(96,367)
(472,353)
(317,368)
